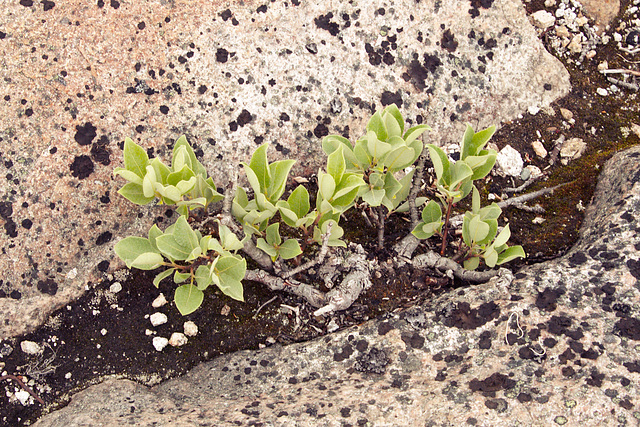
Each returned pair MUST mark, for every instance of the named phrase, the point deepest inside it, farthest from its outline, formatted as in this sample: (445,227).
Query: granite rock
(557,344)
(80,76)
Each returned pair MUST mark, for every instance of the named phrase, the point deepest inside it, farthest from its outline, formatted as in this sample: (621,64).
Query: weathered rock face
(79,78)
(558,344)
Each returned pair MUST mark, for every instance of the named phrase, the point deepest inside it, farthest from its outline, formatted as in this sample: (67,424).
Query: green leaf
(393,121)
(458,173)
(180,158)
(413,133)
(188,299)
(273,234)
(148,182)
(399,158)
(326,185)
(480,139)
(490,257)
(253,179)
(130,248)
(260,167)
(336,233)
(376,125)
(511,253)
(475,201)
(170,193)
(267,248)
(478,229)
(231,271)
(361,154)
(160,276)
(133,193)
(196,166)
(299,201)
(431,212)
(471,263)
(503,237)
(290,248)
(203,277)
(373,197)
(135,158)
(184,234)
(376,147)
(168,246)
(162,170)
(279,172)
(336,164)
(331,143)
(128,175)
(183,174)
(228,238)
(147,261)
(481,165)
(440,161)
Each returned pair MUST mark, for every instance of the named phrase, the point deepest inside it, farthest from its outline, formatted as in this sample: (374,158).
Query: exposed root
(433,260)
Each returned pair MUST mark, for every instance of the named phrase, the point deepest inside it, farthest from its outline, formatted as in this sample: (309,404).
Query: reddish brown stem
(23,385)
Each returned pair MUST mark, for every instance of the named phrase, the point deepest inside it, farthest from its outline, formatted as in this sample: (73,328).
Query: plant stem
(446,226)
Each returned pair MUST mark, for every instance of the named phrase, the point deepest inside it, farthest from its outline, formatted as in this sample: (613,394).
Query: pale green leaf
(273,234)
(203,277)
(128,175)
(188,299)
(260,167)
(299,201)
(376,148)
(490,257)
(279,172)
(503,237)
(168,246)
(133,193)
(160,276)
(290,248)
(184,234)
(267,248)
(440,161)
(326,185)
(147,261)
(130,248)
(399,158)
(471,263)
(336,164)
(135,158)
(373,197)
(510,253)
(361,154)
(413,133)
(376,125)
(475,201)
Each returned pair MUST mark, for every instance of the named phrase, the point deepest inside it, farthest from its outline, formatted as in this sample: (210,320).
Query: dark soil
(104,334)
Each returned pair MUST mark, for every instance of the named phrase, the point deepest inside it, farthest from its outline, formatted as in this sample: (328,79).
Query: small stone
(538,220)
(602,91)
(509,161)
(177,339)
(604,65)
(158,319)
(23,397)
(68,375)
(270,340)
(635,129)
(332,326)
(539,149)
(543,19)
(572,149)
(115,287)
(30,347)
(562,31)
(549,3)
(190,329)
(225,310)
(534,171)
(72,274)
(591,54)
(583,20)
(567,114)
(533,110)
(103,331)
(525,174)
(159,301)
(159,343)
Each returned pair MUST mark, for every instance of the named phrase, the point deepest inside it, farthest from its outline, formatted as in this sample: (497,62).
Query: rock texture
(81,76)
(557,345)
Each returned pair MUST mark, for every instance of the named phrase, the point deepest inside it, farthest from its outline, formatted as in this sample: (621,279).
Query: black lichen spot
(463,316)
(6,210)
(262,9)
(577,259)
(448,41)
(374,361)
(384,328)
(244,118)
(27,223)
(628,328)
(344,354)
(389,98)
(85,134)
(547,299)
(164,109)
(414,340)
(11,228)
(498,405)
(141,25)
(115,4)
(633,366)
(103,266)
(48,287)
(634,267)
(568,371)
(321,130)
(485,340)
(524,397)
(417,73)
(26,3)
(324,22)
(99,151)
(202,89)
(81,167)
(104,238)
(559,325)
(48,5)
(222,55)
(15,294)
(312,48)
(595,379)
(493,383)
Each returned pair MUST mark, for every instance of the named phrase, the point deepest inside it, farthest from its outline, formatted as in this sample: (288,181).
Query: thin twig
(380,228)
(415,187)
(319,259)
(621,71)
(23,385)
(255,316)
(531,196)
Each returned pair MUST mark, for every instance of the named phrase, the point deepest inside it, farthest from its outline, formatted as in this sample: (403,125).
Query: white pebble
(533,110)
(30,347)
(538,148)
(602,92)
(509,161)
(158,319)
(190,329)
(159,343)
(72,274)
(67,375)
(177,339)
(159,302)
(115,287)
(103,331)
(23,397)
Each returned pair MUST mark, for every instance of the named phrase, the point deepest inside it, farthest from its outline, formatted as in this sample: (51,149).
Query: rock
(509,161)
(190,329)
(566,114)
(562,31)
(602,11)
(115,287)
(602,91)
(559,340)
(534,171)
(30,347)
(159,343)
(158,319)
(159,301)
(226,86)
(177,339)
(23,397)
(539,149)
(575,46)
(543,19)
(572,149)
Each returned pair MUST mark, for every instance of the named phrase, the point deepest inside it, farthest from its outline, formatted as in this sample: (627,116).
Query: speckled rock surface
(558,345)
(79,77)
